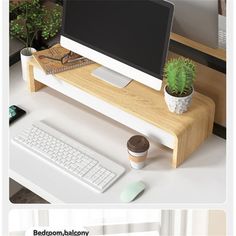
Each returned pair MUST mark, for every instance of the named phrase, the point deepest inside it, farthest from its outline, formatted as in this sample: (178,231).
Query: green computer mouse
(131,191)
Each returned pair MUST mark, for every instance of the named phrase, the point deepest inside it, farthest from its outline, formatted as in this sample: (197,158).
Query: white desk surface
(200,179)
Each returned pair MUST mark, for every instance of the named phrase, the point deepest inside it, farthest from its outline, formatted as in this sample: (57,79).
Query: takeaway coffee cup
(137,147)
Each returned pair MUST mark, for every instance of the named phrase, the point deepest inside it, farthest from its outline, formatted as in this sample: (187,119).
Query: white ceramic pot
(25,56)
(178,105)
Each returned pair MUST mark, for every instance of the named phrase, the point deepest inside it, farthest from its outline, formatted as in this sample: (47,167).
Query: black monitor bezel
(165,48)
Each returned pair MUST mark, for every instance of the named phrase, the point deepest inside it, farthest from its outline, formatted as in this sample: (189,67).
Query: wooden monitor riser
(136,106)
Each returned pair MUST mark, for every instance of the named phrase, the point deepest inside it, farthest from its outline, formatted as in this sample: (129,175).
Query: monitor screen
(133,32)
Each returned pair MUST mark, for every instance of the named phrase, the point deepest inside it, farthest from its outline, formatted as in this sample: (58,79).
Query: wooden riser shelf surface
(136,106)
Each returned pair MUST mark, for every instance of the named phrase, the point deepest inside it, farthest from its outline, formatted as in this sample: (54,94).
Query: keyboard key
(83,163)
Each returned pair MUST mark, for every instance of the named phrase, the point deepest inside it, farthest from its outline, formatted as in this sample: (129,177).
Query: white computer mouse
(132,191)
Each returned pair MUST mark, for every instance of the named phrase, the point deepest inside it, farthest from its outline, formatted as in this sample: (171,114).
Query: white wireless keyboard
(77,160)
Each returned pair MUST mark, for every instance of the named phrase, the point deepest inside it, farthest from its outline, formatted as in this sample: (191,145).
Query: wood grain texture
(211,83)
(215,52)
(189,140)
(190,128)
(33,85)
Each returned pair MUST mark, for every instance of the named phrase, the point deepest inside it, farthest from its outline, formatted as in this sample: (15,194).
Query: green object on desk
(132,191)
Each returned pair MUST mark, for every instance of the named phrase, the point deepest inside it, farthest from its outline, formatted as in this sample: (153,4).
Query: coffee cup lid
(138,143)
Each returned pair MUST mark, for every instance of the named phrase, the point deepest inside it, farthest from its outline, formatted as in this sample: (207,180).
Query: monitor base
(111,77)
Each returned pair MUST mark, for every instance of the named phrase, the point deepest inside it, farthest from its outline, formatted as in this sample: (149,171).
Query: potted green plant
(31,20)
(179,74)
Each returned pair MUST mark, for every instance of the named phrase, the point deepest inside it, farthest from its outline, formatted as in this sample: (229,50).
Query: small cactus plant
(179,74)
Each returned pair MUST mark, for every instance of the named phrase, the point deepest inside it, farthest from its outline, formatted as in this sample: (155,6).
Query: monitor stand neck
(111,77)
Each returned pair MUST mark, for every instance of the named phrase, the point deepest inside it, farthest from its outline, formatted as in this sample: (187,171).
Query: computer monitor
(129,38)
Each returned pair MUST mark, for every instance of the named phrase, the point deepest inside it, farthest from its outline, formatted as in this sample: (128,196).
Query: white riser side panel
(143,127)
